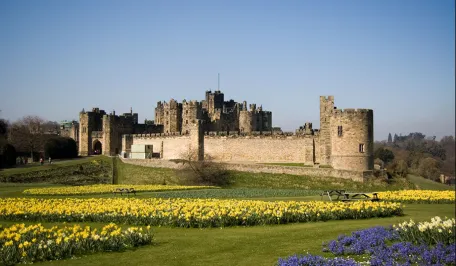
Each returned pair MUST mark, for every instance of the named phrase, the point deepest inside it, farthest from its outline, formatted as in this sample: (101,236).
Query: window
(186,111)
(339,131)
(167,122)
(361,147)
(186,122)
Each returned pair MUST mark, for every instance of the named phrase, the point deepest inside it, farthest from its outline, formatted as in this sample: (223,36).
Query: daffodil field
(103,189)
(419,196)
(28,244)
(189,212)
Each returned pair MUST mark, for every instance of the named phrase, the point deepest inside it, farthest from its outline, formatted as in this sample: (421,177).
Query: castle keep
(217,115)
(229,131)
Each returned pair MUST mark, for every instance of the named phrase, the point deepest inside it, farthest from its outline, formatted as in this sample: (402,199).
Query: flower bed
(405,244)
(419,196)
(103,189)
(28,244)
(189,212)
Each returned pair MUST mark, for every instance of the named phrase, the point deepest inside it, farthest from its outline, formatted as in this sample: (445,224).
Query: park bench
(127,191)
(335,192)
(356,196)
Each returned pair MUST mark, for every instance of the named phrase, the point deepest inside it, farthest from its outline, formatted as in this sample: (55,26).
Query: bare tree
(26,134)
(205,172)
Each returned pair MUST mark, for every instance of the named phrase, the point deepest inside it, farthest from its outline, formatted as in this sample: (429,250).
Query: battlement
(327,98)
(173,104)
(253,135)
(191,103)
(352,111)
(156,135)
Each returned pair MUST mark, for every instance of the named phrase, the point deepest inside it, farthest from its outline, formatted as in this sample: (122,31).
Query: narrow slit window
(339,131)
(361,147)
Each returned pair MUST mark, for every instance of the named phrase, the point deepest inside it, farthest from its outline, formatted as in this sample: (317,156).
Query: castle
(217,114)
(228,131)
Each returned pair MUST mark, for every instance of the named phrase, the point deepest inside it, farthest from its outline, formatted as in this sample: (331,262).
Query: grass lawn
(57,164)
(289,164)
(259,245)
(423,183)
(134,174)
(256,245)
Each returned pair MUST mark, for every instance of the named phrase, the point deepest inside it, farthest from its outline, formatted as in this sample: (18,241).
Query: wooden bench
(124,190)
(335,192)
(356,196)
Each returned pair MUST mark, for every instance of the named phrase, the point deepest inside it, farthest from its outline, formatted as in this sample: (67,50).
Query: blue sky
(395,57)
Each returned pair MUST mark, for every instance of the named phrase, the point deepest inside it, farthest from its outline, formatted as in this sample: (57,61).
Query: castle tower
(214,101)
(352,139)
(197,139)
(84,134)
(172,118)
(109,135)
(191,111)
(326,110)
(159,113)
(246,119)
(90,131)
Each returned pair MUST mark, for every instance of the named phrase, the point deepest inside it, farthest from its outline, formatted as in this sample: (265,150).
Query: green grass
(141,175)
(259,245)
(423,183)
(59,164)
(268,180)
(289,164)
(134,174)
(238,193)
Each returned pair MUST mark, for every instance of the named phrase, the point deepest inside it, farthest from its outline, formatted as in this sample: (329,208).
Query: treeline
(33,137)
(417,154)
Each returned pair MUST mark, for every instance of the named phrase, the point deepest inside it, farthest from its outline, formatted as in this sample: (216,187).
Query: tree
(385,155)
(390,139)
(60,147)
(3,128)
(429,168)
(8,155)
(27,134)
(395,138)
(205,172)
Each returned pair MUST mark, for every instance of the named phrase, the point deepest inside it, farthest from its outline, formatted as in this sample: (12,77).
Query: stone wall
(259,148)
(170,147)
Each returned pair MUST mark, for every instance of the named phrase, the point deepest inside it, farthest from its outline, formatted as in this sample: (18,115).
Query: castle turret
(352,139)
(172,118)
(191,111)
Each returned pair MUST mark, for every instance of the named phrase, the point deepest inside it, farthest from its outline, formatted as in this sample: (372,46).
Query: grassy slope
(423,183)
(139,175)
(46,166)
(260,245)
(134,174)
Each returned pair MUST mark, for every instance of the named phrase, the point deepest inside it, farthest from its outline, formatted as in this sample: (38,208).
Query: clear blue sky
(395,57)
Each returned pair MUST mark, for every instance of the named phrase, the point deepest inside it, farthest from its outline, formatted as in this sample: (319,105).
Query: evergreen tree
(390,139)
(395,138)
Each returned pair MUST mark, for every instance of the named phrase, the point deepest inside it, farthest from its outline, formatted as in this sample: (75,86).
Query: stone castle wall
(169,147)
(259,149)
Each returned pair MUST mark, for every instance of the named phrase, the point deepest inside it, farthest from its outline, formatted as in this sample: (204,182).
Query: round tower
(352,139)
(245,121)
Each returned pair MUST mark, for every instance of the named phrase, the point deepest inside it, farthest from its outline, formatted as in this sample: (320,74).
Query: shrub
(61,147)
(205,172)
(8,157)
